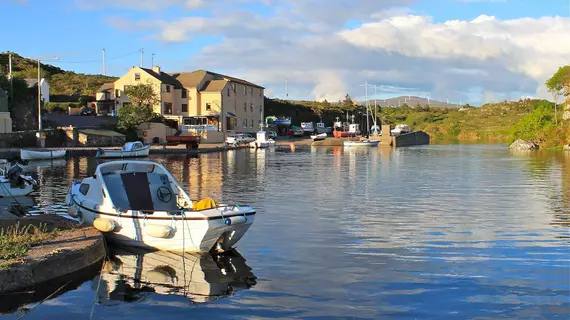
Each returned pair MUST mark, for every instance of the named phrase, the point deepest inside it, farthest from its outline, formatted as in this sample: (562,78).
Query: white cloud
(307,42)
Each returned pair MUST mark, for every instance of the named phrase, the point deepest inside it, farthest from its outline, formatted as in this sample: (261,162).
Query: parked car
(87,112)
(240,138)
(272,134)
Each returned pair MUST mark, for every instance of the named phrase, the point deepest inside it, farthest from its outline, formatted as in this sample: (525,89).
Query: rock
(523,145)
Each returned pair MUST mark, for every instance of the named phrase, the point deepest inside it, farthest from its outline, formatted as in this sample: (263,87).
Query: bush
(531,125)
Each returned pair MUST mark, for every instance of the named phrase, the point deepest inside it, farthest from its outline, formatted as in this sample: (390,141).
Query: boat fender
(72,212)
(104,225)
(158,230)
(235,220)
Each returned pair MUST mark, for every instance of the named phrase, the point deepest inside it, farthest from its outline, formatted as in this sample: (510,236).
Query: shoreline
(74,248)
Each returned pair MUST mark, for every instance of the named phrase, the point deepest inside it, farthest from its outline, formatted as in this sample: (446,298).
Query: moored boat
(13,183)
(361,143)
(318,137)
(41,155)
(262,141)
(139,203)
(129,150)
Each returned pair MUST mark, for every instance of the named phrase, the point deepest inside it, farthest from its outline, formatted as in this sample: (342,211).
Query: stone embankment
(72,249)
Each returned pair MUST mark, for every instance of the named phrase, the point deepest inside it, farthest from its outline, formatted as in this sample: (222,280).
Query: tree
(143,98)
(348,104)
(558,84)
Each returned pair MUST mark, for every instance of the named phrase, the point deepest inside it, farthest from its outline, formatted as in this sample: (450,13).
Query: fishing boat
(129,150)
(13,183)
(262,141)
(318,137)
(139,203)
(361,143)
(131,274)
(41,155)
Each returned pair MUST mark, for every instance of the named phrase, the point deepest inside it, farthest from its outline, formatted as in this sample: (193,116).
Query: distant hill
(412,101)
(62,83)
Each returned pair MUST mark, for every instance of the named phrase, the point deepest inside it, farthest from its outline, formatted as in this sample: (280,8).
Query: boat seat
(203,204)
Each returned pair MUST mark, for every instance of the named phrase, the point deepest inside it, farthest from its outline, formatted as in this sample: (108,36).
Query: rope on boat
(100,277)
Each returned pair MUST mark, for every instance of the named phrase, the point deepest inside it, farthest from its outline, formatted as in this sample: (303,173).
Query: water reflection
(131,275)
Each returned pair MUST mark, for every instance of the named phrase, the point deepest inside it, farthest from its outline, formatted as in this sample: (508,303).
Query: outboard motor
(14,172)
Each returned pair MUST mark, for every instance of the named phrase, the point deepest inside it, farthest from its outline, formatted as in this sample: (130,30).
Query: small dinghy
(13,183)
(41,155)
(318,137)
(139,203)
(129,150)
(362,143)
(262,141)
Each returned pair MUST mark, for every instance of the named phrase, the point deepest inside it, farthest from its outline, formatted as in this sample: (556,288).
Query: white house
(44,87)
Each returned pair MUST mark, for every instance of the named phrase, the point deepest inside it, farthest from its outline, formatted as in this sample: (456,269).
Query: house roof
(193,79)
(164,78)
(106,87)
(215,86)
(189,79)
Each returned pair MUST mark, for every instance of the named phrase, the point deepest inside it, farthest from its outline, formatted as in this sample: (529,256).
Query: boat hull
(41,155)
(7,191)
(110,153)
(261,145)
(367,143)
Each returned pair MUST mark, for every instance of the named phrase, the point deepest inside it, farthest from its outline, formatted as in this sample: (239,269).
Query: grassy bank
(16,240)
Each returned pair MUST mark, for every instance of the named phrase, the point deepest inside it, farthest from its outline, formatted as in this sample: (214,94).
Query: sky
(468,51)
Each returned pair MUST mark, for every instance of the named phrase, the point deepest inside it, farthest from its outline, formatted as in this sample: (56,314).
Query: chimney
(156,69)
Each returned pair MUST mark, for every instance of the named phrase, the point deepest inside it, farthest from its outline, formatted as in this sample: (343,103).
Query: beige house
(203,103)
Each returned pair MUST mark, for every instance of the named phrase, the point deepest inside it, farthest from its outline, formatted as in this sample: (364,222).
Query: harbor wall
(20,139)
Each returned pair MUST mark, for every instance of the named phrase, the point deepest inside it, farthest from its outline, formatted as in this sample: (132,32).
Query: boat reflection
(132,274)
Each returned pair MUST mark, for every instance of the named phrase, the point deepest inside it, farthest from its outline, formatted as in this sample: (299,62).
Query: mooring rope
(46,298)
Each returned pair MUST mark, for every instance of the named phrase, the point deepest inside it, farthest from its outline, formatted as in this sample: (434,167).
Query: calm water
(431,232)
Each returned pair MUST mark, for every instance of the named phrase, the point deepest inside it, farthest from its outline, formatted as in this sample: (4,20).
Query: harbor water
(426,232)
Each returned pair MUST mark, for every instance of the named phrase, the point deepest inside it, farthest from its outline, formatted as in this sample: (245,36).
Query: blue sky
(188,34)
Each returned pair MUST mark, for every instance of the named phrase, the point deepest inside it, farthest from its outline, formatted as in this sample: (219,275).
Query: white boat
(318,137)
(262,141)
(199,278)
(139,203)
(400,129)
(41,155)
(13,183)
(361,143)
(129,150)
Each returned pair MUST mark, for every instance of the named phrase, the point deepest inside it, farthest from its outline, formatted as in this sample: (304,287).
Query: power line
(101,60)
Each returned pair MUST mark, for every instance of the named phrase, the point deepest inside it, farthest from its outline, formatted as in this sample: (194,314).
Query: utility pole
(142,55)
(40,138)
(11,79)
(152,60)
(104,67)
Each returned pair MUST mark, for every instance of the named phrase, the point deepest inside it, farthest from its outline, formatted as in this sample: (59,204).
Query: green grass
(16,240)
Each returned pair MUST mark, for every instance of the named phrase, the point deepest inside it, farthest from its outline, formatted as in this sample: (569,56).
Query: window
(251,124)
(244,90)
(251,91)
(167,88)
(137,76)
(117,93)
(208,107)
(245,123)
(168,108)
(84,188)
(244,107)
(184,93)
(184,107)
(251,107)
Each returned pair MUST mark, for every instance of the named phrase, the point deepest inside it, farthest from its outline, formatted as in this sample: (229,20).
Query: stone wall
(22,139)
(100,138)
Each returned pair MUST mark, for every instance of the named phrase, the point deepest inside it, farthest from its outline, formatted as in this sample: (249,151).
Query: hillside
(64,85)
